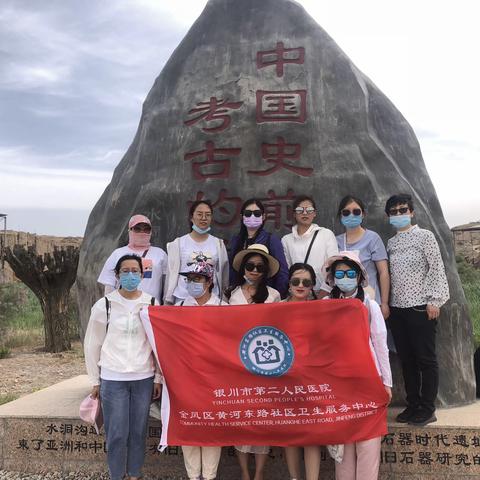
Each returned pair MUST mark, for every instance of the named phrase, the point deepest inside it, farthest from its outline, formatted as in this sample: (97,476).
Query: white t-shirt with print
(194,252)
(154,267)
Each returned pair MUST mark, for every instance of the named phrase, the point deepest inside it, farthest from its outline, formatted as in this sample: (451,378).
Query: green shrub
(4,351)
(470,277)
(7,398)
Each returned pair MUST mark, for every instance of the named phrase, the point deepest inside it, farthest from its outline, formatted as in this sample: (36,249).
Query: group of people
(403,287)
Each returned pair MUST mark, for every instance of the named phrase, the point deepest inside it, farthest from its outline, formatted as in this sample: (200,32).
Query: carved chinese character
(442,438)
(423,440)
(23,444)
(50,429)
(279,57)
(281,106)
(212,167)
(406,457)
(460,440)
(278,208)
(462,459)
(216,110)
(281,155)
(405,438)
(425,458)
(389,439)
(444,458)
(37,444)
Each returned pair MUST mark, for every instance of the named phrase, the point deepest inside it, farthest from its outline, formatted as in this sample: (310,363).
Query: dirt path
(29,370)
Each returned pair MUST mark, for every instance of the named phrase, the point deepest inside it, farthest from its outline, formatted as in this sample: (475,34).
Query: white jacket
(123,347)
(296,246)
(174,259)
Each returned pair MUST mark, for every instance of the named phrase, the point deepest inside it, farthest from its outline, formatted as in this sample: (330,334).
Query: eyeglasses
(259,267)
(398,211)
(130,270)
(356,211)
(249,213)
(304,282)
(307,210)
(142,229)
(349,273)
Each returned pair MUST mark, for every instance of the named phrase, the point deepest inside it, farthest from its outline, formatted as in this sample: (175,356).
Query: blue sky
(74,74)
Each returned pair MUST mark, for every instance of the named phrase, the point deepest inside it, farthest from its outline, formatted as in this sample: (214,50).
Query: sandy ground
(30,369)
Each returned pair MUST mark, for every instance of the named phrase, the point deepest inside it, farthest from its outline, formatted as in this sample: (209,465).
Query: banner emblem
(266,351)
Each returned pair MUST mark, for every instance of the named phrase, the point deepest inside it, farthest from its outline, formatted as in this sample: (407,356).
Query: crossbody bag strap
(144,254)
(310,246)
(108,308)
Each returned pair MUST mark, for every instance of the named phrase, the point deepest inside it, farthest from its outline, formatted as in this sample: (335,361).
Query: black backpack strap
(152,301)
(145,253)
(108,308)
(310,246)
(181,303)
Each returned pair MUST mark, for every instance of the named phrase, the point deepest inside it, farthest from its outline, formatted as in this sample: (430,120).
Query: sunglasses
(397,211)
(255,213)
(304,282)
(356,211)
(141,229)
(259,267)
(307,210)
(349,273)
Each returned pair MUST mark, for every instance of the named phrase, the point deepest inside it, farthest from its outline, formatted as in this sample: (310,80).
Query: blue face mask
(130,281)
(400,221)
(201,231)
(195,289)
(352,221)
(346,284)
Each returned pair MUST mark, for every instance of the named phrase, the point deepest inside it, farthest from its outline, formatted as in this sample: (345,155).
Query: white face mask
(196,289)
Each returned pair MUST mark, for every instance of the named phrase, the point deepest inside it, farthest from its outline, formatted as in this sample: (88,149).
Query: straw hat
(258,248)
(346,255)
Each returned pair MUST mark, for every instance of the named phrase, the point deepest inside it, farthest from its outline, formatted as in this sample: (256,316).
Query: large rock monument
(257,100)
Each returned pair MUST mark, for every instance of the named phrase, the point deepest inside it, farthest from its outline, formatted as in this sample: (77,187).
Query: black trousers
(414,336)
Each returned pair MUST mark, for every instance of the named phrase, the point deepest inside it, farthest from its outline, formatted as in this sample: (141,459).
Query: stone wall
(43,244)
(467,244)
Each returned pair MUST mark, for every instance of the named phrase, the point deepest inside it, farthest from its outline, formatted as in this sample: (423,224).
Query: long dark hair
(303,266)
(336,292)
(261,293)
(243,234)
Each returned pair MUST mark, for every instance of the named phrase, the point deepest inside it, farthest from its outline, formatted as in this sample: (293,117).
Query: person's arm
(436,285)
(280,280)
(286,250)
(92,345)
(173,268)
(384,283)
(107,275)
(378,335)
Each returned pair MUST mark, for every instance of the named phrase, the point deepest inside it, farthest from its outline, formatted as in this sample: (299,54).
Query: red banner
(276,374)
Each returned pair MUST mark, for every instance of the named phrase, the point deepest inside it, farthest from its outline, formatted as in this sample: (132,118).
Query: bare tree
(50,277)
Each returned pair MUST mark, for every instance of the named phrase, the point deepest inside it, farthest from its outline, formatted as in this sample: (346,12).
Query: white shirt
(324,246)
(238,298)
(378,340)
(416,269)
(154,268)
(119,351)
(192,302)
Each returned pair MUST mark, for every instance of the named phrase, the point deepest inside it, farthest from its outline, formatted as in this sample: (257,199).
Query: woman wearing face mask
(419,289)
(373,255)
(200,462)
(347,277)
(252,232)
(309,243)
(254,266)
(122,369)
(154,259)
(302,279)
(195,247)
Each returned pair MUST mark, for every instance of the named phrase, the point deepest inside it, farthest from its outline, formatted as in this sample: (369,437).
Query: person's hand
(385,310)
(95,391)
(389,393)
(433,312)
(157,391)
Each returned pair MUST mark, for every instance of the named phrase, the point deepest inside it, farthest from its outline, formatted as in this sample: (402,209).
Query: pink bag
(91,412)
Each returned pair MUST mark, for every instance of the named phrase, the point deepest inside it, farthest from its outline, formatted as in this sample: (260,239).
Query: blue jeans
(125,408)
